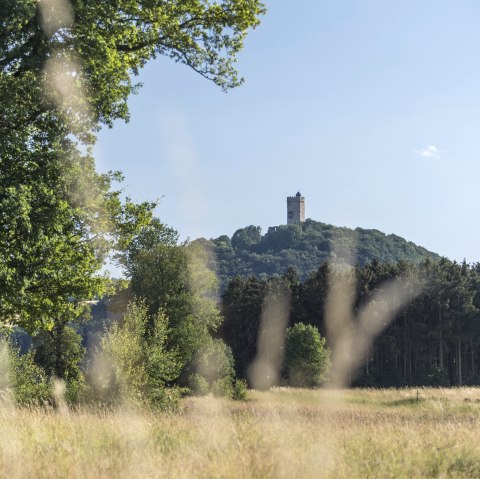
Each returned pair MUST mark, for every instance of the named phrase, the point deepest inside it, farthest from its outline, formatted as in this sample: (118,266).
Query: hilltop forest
(304,247)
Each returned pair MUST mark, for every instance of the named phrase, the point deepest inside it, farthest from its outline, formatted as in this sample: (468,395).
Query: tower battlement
(295,209)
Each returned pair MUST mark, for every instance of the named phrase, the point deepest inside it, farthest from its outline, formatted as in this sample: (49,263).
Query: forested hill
(305,247)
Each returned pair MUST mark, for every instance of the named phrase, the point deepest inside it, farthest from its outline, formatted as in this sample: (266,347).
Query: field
(282,433)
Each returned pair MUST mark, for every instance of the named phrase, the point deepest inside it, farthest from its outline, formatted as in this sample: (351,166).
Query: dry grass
(282,433)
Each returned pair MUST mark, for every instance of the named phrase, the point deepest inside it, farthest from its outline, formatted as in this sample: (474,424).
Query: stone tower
(295,209)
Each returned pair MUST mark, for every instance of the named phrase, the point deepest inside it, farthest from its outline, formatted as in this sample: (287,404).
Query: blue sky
(371,108)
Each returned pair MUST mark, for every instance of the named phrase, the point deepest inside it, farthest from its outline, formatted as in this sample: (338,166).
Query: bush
(27,381)
(103,385)
(223,388)
(29,384)
(214,360)
(214,364)
(198,385)
(142,363)
(307,360)
(77,390)
(239,390)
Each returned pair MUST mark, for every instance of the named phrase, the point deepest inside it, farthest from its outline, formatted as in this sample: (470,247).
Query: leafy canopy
(66,68)
(174,278)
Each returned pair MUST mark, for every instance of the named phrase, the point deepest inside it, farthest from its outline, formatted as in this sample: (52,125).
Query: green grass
(281,433)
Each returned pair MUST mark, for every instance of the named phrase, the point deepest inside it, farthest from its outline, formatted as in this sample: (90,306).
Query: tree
(213,367)
(111,41)
(307,359)
(157,268)
(59,351)
(142,360)
(310,305)
(243,238)
(174,278)
(242,308)
(431,341)
(22,378)
(66,69)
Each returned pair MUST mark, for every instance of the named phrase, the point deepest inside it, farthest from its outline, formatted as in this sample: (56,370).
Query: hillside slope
(304,247)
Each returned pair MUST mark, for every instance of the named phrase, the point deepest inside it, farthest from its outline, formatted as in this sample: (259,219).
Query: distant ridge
(304,247)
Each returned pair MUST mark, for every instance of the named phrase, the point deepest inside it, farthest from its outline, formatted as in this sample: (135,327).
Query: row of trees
(160,345)
(166,340)
(432,340)
(173,333)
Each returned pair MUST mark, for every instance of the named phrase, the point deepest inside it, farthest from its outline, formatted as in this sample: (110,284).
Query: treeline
(160,338)
(434,340)
(153,344)
(304,247)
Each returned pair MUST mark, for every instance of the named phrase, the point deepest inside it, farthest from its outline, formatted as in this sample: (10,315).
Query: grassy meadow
(281,433)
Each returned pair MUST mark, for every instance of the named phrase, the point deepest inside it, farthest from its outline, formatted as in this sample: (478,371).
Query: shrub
(198,385)
(103,385)
(239,390)
(142,363)
(222,387)
(77,390)
(214,363)
(28,382)
(307,360)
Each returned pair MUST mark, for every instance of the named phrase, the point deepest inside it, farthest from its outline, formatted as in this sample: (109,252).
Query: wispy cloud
(431,151)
